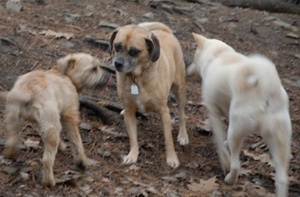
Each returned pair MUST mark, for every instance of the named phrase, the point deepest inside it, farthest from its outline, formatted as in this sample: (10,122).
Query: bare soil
(25,46)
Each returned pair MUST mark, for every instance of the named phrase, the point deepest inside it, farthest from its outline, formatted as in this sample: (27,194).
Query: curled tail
(246,79)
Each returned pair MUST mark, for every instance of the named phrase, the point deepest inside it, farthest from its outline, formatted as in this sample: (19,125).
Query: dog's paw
(183,140)
(183,137)
(48,181)
(231,177)
(130,158)
(173,161)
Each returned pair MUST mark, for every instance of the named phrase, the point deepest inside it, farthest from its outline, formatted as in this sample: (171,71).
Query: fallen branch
(101,112)
(266,5)
(6,41)
(110,105)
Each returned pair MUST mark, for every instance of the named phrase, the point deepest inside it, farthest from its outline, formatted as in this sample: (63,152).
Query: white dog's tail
(156,26)
(257,73)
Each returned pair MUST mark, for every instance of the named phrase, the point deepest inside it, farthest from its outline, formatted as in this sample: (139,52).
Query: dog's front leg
(172,159)
(130,122)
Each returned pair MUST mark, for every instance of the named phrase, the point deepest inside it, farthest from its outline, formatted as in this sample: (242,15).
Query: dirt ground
(42,31)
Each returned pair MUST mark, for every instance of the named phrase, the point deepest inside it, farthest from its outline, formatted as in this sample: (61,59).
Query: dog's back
(152,26)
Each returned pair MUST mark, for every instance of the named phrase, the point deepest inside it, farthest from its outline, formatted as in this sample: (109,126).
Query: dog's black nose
(118,64)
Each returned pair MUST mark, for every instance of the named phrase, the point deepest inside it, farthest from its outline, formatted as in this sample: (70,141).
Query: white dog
(245,90)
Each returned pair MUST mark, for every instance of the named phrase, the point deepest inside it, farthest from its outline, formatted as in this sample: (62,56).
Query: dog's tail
(257,73)
(15,96)
(151,26)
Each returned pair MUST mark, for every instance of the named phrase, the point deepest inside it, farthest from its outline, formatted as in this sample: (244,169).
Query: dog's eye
(118,47)
(134,52)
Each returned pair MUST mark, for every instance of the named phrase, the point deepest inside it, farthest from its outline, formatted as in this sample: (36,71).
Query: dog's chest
(145,101)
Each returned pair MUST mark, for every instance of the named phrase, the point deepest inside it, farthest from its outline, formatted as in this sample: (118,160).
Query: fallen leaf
(48,32)
(256,190)
(265,158)
(204,186)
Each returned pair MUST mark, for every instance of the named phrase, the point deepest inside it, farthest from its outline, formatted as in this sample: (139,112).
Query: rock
(118,191)
(171,193)
(108,25)
(297,56)
(98,42)
(285,25)
(10,170)
(24,175)
(85,126)
(202,20)
(270,18)
(86,189)
(12,5)
(292,35)
(169,179)
(104,153)
(90,8)
(26,169)
(149,15)
(66,43)
(4,161)
(295,81)
(1,7)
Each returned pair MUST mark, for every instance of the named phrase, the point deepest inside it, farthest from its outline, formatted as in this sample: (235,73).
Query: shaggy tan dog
(245,90)
(50,99)
(149,64)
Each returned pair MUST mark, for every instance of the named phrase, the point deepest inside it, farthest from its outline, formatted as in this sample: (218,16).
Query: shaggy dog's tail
(14,96)
(151,26)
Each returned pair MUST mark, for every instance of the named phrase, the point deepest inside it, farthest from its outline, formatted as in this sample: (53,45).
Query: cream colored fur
(245,90)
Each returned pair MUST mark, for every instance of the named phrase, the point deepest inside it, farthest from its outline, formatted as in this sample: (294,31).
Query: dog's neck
(56,70)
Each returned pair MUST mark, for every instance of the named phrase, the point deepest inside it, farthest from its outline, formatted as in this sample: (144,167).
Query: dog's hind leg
(235,141)
(49,122)
(70,120)
(180,92)
(51,140)
(279,142)
(13,125)
(219,135)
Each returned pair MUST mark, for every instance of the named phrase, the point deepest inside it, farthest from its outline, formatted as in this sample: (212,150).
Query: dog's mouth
(106,80)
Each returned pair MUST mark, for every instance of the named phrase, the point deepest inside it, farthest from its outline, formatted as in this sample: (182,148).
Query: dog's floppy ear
(111,41)
(64,64)
(153,47)
(199,39)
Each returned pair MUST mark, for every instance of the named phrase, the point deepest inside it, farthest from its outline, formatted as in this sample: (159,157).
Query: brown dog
(149,64)
(50,98)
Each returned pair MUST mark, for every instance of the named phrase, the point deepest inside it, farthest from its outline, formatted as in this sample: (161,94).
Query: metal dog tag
(134,89)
